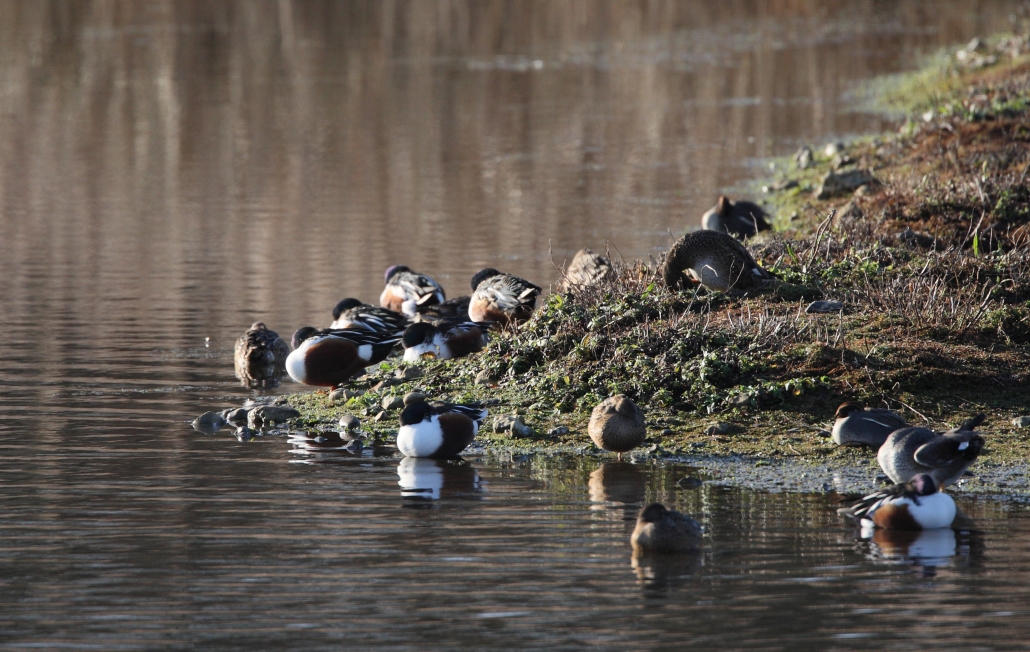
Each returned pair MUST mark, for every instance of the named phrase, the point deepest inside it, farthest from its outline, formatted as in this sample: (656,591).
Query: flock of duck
(414,313)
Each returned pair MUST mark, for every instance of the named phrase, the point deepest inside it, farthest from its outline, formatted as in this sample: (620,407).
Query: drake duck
(743,219)
(913,505)
(437,429)
(351,313)
(716,260)
(617,425)
(260,355)
(663,530)
(858,426)
(501,298)
(444,339)
(327,358)
(587,269)
(457,308)
(942,456)
(406,290)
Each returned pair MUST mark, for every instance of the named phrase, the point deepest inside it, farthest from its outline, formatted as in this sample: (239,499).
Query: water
(171,172)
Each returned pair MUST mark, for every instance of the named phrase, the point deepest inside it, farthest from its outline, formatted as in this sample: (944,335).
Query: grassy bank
(931,260)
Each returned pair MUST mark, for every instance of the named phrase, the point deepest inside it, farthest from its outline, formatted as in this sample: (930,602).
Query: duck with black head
(352,313)
(436,429)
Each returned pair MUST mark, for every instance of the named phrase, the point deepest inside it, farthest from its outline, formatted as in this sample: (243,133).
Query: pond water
(172,171)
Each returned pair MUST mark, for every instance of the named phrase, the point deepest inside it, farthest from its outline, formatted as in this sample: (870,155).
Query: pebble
(237,417)
(519,428)
(513,425)
(1021,422)
(825,434)
(269,414)
(393,402)
(698,444)
(803,158)
(720,427)
(209,423)
(557,432)
(823,307)
(350,422)
(834,183)
(414,397)
(344,394)
(689,482)
(739,400)
(832,149)
(409,373)
(243,433)
(383,384)
(485,377)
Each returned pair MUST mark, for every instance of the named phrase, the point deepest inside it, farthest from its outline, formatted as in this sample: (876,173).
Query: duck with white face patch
(436,429)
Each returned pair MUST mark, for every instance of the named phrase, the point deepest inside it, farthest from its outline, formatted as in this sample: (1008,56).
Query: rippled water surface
(172,171)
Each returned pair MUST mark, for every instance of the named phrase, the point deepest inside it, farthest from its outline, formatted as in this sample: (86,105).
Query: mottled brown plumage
(662,530)
(717,260)
(260,356)
(587,269)
(617,425)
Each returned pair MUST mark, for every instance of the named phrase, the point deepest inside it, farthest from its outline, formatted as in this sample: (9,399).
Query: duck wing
(886,418)
(946,449)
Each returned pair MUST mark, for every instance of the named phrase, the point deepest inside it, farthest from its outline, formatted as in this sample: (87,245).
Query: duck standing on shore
(743,219)
(662,530)
(587,269)
(436,429)
(501,298)
(260,355)
(913,505)
(717,260)
(406,290)
(327,358)
(942,456)
(617,425)
(858,426)
(351,313)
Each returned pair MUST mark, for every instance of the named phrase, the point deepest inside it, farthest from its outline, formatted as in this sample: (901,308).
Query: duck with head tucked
(327,358)
(444,339)
(858,426)
(351,313)
(716,260)
(501,298)
(617,425)
(587,269)
(913,505)
(260,355)
(437,429)
(662,530)
(451,309)
(943,456)
(406,290)
(743,219)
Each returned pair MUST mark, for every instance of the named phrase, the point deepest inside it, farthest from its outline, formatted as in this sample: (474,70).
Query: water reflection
(621,483)
(658,571)
(426,479)
(925,548)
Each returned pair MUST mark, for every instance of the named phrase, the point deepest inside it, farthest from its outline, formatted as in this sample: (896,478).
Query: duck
(917,504)
(406,290)
(617,425)
(444,339)
(436,429)
(501,298)
(456,308)
(743,219)
(587,269)
(260,355)
(716,260)
(664,530)
(943,456)
(859,426)
(327,358)
(351,313)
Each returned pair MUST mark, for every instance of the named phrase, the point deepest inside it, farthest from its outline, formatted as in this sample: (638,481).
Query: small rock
(502,423)
(780,186)
(834,183)
(383,384)
(414,397)
(237,417)
(379,416)
(486,377)
(1021,422)
(209,423)
(721,427)
(393,402)
(739,400)
(350,422)
(883,479)
(832,149)
(518,428)
(269,414)
(354,446)
(850,211)
(698,444)
(341,394)
(803,158)
(825,434)
(667,432)
(491,401)
(557,432)
(243,433)
(409,373)
(919,239)
(280,400)
(689,482)
(841,160)
(821,307)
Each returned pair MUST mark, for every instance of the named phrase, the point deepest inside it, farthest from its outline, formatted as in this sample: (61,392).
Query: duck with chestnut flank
(501,298)
(870,427)
(662,530)
(456,308)
(743,219)
(436,429)
(914,505)
(587,269)
(942,456)
(716,260)
(327,358)
(617,425)
(406,290)
(351,313)
(444,339)
(260,355)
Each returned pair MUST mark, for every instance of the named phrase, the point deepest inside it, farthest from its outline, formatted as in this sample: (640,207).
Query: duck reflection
(617,482)
(427,479)
(327,445)
(925,548)
(659,571)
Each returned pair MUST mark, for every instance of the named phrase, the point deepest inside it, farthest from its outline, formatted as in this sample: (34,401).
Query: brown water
(172,171)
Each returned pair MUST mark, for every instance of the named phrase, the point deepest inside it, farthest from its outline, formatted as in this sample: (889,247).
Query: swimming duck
(740,218)
(944,457)
(617,425)
(856,426)
(717,260)
(329,357)
(664,530)
(351,313)
(913,505)
(260,355)
(501,298)
(436,429)
(457,308)
(444,339)
(587,269)
(406,290)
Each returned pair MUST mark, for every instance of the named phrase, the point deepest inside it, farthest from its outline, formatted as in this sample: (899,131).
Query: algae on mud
(931,261)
